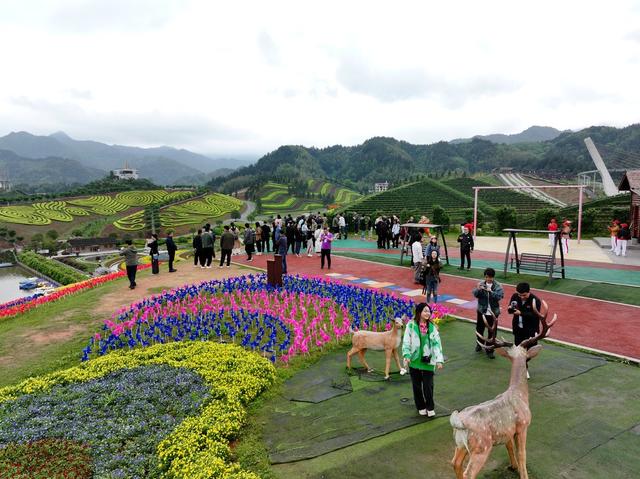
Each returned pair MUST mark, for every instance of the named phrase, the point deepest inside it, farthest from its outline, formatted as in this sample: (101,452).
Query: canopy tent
(513,232)
(439,231)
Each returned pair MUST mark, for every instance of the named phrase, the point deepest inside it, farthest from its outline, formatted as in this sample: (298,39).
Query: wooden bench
(534,262)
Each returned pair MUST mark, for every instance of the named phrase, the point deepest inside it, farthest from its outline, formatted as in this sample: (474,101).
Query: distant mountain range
(387,159)
(530,135)
(91,159)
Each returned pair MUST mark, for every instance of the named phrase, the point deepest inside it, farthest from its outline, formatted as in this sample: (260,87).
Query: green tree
(440,217)
(544,215)
(52,234)
(506,217)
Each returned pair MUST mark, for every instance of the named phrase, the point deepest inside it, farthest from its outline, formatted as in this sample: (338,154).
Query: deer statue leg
(521,439)
(361,356)
(397,357)
(387,366)
(512,456)
(476,463)
(458,460)
(350,353)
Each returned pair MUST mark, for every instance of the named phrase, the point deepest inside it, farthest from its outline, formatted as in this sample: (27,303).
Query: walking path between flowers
(595,324)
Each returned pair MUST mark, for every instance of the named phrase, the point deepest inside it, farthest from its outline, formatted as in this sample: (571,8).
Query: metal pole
(580,215)
(475,212)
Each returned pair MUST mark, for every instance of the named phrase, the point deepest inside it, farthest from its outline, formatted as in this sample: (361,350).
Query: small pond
(9,279)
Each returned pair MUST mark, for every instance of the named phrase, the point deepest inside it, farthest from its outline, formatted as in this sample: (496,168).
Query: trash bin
(274,270)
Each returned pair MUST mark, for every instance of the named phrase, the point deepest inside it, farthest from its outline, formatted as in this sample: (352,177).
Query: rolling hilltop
(387,159)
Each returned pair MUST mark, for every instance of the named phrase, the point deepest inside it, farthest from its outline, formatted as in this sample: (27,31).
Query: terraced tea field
(496,198)
(419,196)
(189,213)
(64,215)
(276,199)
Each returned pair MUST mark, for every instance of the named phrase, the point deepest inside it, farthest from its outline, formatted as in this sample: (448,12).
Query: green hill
(496,198)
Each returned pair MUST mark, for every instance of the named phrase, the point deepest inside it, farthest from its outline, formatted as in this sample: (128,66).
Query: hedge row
(53,269)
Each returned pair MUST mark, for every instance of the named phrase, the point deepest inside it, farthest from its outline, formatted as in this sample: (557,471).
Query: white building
(126,173)
(379,187)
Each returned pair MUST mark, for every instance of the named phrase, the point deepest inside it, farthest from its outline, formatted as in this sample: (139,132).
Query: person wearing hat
(624,235)
(565,236)
(422,353)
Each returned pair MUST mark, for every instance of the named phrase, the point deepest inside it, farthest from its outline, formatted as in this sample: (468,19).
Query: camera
(426,359)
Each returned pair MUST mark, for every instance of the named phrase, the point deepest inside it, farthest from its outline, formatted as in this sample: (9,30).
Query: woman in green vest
(422,352)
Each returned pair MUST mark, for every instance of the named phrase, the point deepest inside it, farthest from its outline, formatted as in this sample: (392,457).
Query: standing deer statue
(505,419)
(387,341)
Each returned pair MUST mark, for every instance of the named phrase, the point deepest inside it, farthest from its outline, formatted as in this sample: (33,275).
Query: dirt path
(149,284)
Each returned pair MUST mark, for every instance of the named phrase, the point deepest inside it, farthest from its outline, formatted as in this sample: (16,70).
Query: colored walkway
(601,325)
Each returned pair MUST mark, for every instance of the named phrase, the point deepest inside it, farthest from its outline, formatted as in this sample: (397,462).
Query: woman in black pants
(325,249)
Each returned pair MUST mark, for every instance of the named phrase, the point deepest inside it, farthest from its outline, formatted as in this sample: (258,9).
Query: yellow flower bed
(199,446)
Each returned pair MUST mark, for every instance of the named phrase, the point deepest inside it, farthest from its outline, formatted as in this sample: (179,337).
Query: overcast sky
(245,77)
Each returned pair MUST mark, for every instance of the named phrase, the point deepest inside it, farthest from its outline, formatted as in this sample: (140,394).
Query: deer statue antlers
(505,419)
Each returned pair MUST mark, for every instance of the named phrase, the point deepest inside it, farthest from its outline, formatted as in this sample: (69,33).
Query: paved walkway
(601,325)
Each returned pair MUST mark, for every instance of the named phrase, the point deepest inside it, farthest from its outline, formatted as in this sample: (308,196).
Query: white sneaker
(431,413)
(208,267)
(202,267)
(422,412)
(228,266)
(528,376)
(221,266)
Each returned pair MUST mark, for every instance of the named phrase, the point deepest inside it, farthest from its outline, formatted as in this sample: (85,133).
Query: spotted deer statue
(505,419)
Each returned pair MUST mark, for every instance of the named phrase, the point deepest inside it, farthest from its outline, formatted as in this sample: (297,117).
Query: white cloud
(232,77)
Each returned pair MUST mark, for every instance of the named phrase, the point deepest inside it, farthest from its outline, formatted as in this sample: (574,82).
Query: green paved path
(586,419)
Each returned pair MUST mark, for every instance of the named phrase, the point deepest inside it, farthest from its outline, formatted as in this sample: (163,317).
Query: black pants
(206,257)
(172,256)
(325,253)
(225,253)
(422,382)
(259,245)
(480,326)
(465,253)
(197,255)
(396,239)
(131,274)
(249,249)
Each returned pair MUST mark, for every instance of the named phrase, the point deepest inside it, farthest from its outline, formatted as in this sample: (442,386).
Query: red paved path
(609,327)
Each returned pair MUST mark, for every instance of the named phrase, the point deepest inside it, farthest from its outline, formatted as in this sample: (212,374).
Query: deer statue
(505,419)
(389,341)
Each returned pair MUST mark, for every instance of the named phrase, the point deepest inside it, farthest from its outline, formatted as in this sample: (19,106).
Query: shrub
(506,217)
(440,217)
(53,269)
(544,215)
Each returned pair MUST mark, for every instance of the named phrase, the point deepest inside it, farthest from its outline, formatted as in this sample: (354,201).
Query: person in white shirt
(416,250)
(342,223)
(318,245)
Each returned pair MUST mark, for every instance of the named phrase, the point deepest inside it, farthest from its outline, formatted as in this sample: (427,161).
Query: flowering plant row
(21,305)
(281,323)
(197,447)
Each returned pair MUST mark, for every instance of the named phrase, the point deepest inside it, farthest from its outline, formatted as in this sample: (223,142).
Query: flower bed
(306,313)
(46,459)
(95,394)
(23,305)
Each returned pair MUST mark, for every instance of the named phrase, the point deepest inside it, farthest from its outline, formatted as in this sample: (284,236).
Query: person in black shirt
(152,243)
(525,308)
(466,247)
(171,250)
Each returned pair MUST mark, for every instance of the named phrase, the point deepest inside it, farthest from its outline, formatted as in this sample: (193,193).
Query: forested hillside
(388,159)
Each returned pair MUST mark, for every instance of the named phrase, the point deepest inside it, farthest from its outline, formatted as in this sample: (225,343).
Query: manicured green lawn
(582,405)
